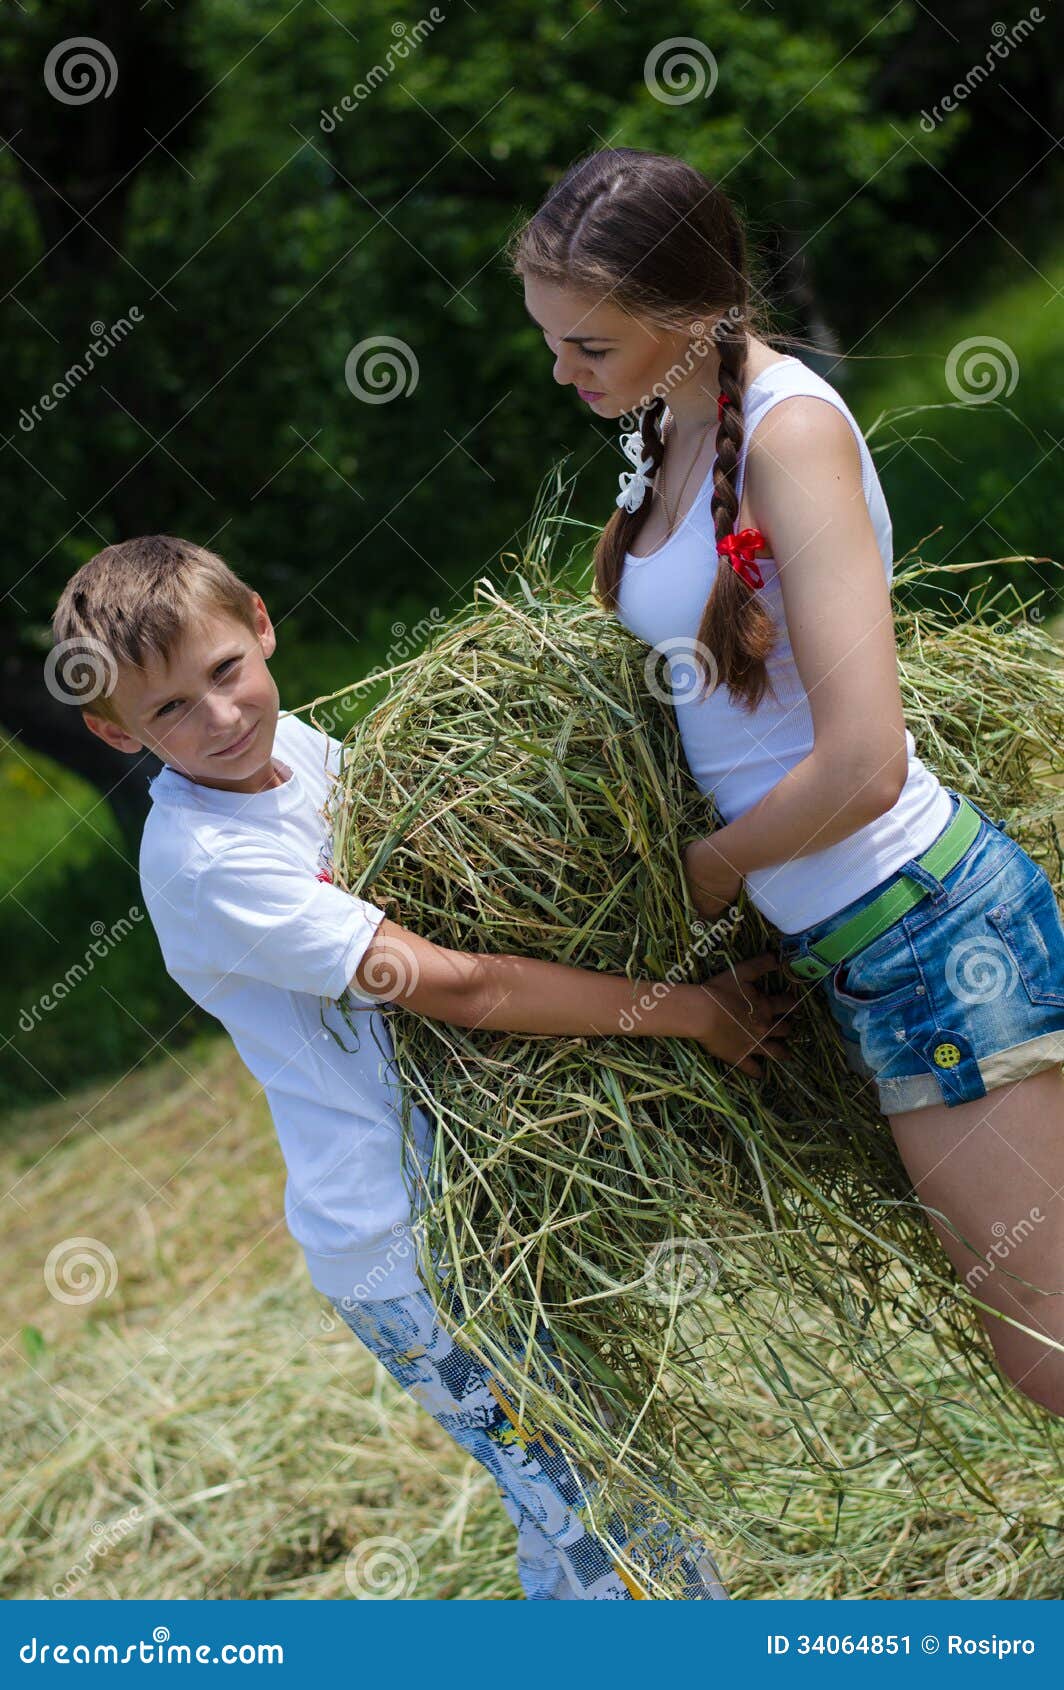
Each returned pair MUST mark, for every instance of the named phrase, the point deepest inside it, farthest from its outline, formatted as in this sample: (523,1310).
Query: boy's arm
(728,1015)
(260,913)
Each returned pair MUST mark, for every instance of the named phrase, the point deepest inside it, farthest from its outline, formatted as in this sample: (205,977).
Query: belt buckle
(810,967)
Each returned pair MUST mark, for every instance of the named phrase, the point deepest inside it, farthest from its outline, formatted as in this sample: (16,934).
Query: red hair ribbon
(739,549)
(722,400)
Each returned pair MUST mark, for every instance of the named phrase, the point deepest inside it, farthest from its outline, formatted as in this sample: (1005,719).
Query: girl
(751,547)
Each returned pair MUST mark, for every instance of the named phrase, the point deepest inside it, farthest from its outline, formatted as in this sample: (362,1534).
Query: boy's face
(211,712)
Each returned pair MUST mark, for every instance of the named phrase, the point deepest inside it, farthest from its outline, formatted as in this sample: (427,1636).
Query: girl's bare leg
(995,1168)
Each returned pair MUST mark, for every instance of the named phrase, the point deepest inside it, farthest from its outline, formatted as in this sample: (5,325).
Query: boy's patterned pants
(558,1557)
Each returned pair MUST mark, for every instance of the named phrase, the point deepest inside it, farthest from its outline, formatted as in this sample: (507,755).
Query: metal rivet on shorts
(919,991)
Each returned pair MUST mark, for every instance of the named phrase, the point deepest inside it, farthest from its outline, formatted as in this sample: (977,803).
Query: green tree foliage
(260,240)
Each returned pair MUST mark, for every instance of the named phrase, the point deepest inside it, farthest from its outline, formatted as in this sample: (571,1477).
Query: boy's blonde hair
(136,600)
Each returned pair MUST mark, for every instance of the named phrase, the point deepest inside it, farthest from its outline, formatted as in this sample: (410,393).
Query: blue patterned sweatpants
(558,1557)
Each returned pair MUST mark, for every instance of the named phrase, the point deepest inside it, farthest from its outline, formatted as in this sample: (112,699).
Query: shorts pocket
(884,972)
(1030,927)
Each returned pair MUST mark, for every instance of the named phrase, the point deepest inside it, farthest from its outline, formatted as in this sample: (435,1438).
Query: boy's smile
(211,712)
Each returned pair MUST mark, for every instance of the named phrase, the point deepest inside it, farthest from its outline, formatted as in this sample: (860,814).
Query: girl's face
(616,361)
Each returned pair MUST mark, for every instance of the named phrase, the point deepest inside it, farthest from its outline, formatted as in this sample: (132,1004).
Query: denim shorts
(963,993)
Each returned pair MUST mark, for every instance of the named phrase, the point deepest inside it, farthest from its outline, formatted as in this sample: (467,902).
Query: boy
(234,869)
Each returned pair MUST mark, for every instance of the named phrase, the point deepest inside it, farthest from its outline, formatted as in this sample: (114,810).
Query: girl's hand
(744,1022)
(712,883)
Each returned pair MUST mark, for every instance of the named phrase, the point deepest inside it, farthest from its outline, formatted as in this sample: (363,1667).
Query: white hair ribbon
(634,483)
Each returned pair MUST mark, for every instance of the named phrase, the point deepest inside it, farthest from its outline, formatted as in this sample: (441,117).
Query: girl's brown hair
(662,241)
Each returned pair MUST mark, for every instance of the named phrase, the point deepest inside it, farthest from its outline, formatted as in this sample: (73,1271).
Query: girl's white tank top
(737,756)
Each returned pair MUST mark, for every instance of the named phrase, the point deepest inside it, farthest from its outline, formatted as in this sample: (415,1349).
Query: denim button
(950,1057)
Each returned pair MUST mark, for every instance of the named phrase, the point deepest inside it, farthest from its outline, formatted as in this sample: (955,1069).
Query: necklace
(671,519)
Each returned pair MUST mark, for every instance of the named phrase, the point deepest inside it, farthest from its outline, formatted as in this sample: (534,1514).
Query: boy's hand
(713,884)
(742,1018)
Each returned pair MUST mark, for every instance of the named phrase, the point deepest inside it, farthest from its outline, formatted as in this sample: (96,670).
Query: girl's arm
(804,485)
(728,1015)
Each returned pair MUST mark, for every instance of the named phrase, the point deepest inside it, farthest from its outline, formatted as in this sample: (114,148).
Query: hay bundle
(684,1231)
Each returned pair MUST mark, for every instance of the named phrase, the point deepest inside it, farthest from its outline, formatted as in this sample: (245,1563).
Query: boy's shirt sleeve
(263,914)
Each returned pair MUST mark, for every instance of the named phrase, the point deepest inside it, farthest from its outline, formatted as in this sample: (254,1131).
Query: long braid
(736,630)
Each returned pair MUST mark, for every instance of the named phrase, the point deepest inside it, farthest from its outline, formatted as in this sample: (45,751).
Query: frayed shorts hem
(1002,1068)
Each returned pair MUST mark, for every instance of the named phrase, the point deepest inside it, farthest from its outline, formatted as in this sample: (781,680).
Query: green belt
(882,912)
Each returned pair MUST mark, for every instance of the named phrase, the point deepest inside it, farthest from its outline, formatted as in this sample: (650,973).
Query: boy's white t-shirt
(249,930)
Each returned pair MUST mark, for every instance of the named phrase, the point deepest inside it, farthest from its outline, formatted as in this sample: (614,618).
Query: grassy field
(205,1427)
(211,1390)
